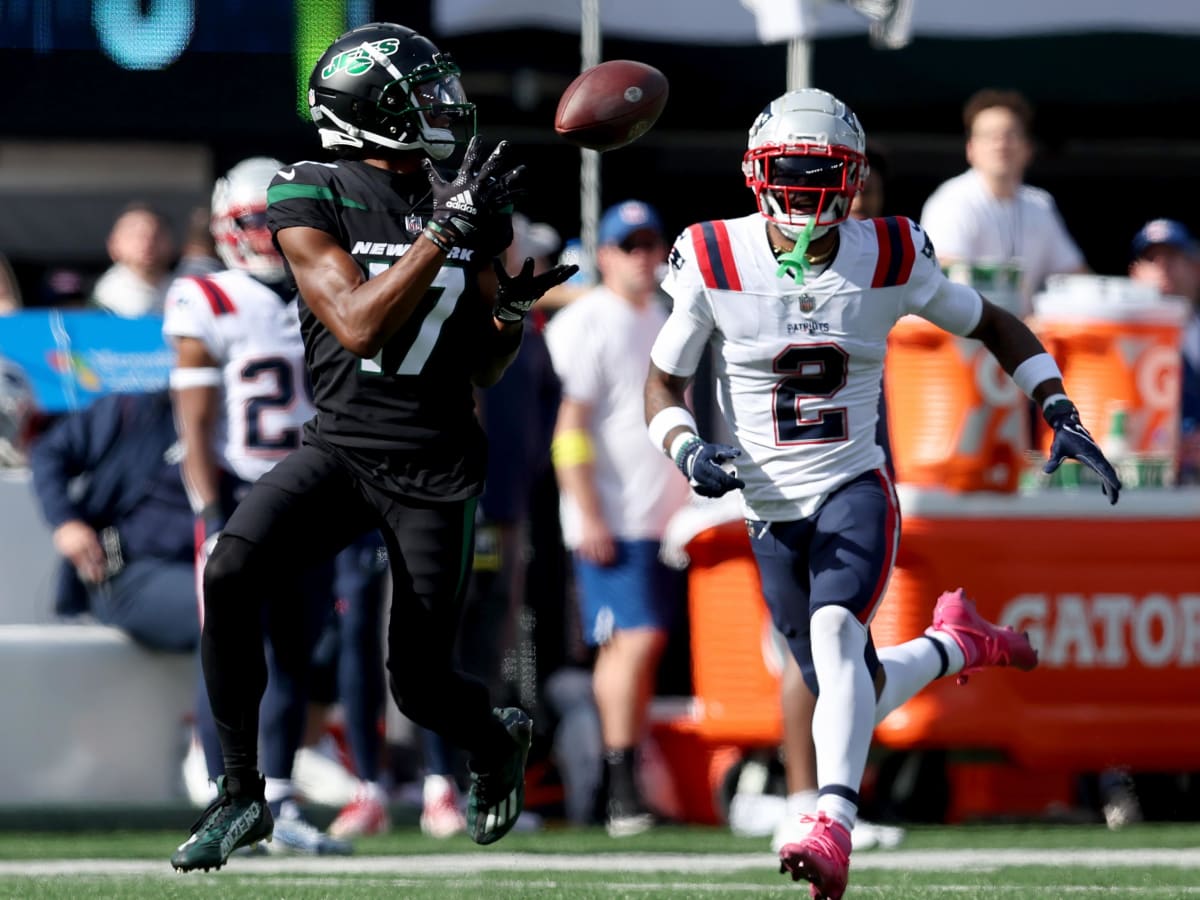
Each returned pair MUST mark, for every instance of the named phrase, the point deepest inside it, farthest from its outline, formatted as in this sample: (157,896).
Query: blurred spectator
(64,289)
(109,485)
(1166,255)
(988,215)
(141,249)
(10,293)
(575,286)
(618,491)
(199,253)
(18,413)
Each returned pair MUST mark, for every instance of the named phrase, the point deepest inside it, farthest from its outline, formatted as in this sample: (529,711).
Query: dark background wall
(1117,114)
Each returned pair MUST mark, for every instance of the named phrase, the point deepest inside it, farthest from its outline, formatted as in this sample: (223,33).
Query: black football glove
(516,293)
(1072,441)
(462,204)
(701,462)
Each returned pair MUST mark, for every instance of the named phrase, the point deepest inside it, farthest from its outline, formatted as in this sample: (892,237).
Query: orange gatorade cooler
(1117,343)
(956,419)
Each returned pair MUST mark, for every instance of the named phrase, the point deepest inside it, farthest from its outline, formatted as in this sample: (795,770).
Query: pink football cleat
(982,643)
(821,857)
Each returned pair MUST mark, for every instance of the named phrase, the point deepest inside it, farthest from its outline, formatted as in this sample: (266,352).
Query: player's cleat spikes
(982,643)
(229,822)
(497,796)
(822,857)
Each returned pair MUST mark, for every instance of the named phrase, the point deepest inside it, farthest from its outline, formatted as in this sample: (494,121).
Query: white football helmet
(239,219)
(806,161)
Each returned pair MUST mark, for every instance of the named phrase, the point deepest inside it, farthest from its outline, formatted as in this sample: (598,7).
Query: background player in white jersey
(797,302)
(241,398)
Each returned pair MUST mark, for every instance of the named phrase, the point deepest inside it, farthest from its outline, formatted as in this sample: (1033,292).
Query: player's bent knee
(232,563)
(837,626)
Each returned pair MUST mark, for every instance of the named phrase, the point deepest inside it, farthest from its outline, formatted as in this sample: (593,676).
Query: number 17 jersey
(798,364)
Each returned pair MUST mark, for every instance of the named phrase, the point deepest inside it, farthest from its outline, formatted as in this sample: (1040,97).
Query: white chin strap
(347,135)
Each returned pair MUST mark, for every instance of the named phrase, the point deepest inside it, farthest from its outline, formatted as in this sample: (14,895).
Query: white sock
(839,809)
(845,713)
(912,665)
(802,802)
(953,652)
(278,789)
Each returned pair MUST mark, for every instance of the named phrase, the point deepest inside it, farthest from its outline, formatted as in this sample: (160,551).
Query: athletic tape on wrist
(665,421)
(438,236)
(1033,371)
(680,443)
(1052,399)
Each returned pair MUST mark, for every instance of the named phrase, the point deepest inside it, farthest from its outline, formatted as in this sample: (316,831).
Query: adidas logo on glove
(463,201)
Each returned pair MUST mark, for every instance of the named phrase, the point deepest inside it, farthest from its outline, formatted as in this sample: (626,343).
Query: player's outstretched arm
(196,384)
(1022,356)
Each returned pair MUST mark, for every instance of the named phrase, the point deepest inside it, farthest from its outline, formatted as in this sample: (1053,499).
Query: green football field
(1042,862)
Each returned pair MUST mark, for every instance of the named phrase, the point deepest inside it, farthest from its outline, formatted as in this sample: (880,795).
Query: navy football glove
(515,294)
(1072,441)
(701,462)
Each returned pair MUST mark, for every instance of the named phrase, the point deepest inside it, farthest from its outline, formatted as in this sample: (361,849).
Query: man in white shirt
(141,247)
(988,215)
(618,490)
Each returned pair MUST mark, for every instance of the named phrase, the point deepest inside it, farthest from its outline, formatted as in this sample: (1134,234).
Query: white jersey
(799,366)
(255,336)
(967,222)
(600,347)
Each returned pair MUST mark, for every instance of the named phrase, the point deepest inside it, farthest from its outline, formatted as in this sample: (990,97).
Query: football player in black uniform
(384,247)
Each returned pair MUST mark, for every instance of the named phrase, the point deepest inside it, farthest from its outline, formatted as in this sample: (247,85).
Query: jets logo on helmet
(359,60)
(383,88)
(806,161)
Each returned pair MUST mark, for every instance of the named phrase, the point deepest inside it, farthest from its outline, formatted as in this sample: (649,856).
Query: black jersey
(406,418)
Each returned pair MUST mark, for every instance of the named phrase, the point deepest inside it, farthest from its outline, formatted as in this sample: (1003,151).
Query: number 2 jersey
(405,419)
(254,334)
(799,365)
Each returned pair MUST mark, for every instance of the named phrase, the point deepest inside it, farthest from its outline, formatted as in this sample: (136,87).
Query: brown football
(611,104)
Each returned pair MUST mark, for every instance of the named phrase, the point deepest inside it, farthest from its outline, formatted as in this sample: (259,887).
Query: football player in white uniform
(796,301)
(241,399)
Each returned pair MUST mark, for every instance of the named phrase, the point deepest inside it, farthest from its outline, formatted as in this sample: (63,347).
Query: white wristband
(665,421)
(1033,371)
(193,377)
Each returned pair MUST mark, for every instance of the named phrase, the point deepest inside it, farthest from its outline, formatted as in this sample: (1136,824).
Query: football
(611,104)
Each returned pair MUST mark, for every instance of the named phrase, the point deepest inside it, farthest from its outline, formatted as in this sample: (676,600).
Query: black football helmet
(384,87)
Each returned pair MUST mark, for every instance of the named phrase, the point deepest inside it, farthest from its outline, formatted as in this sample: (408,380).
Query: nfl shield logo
(414,224)
(807,303)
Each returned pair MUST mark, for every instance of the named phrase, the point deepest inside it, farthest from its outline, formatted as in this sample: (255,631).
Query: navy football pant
(841,556)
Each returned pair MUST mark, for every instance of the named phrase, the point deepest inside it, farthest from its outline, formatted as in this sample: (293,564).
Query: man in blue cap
(1166,255)
(616,493)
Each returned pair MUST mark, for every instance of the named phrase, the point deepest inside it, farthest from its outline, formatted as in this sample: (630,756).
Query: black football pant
(304,510)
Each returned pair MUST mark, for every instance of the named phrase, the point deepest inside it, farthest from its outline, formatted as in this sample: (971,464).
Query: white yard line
(689,863)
